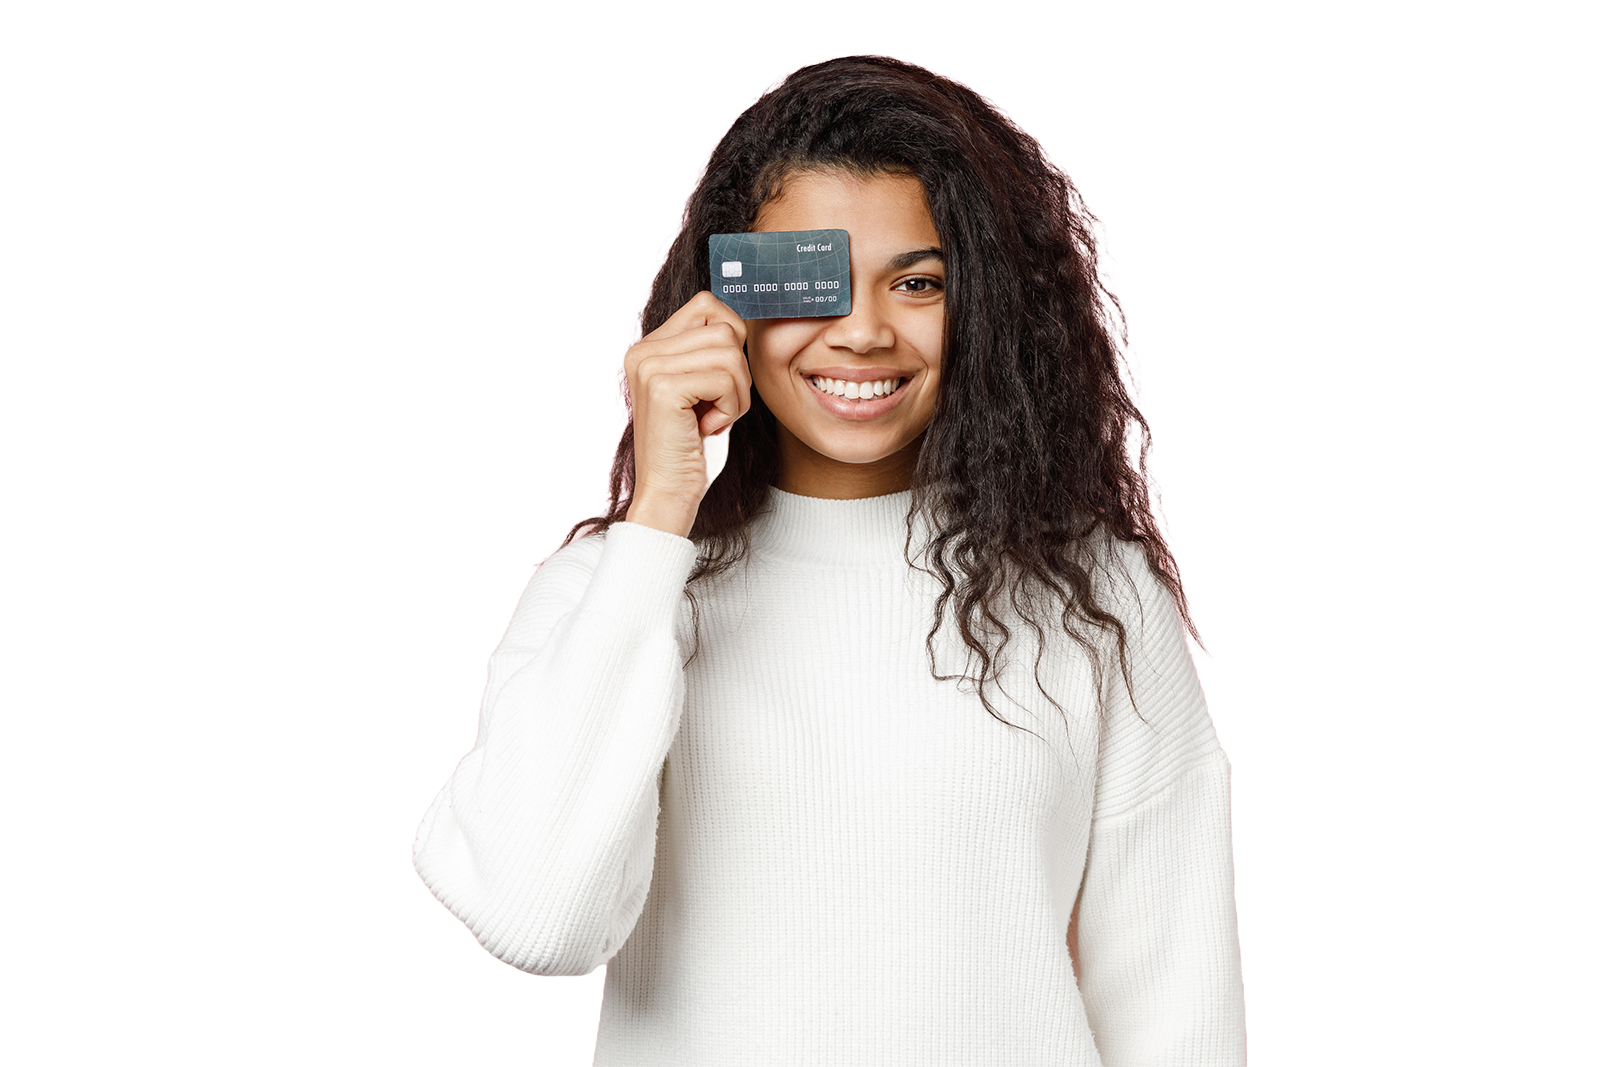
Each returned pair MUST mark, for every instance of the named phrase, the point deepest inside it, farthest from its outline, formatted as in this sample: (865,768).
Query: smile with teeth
(856,390)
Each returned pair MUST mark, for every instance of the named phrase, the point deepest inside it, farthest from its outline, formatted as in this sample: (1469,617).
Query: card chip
(733,269)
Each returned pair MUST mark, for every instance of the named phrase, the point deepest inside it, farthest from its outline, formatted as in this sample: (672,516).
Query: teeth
(857,390)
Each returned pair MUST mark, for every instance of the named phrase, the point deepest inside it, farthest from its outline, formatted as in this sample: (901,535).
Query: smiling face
(811,372)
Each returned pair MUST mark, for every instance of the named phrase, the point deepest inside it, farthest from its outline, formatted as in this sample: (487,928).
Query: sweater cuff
(642,572)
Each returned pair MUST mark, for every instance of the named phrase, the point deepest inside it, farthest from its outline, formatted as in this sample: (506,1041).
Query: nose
(865,329)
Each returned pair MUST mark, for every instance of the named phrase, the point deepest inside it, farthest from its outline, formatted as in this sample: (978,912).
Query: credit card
(790,275)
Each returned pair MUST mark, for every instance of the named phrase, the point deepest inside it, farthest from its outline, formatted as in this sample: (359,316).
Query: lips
(858,410)
(857,374)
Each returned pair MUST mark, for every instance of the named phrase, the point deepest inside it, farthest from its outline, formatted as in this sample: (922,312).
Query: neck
(866,532)
(806,472)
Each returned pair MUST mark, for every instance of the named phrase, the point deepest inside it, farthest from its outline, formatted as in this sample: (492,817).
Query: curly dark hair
(1024,473)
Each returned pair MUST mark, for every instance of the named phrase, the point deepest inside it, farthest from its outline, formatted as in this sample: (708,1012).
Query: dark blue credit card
(790,275)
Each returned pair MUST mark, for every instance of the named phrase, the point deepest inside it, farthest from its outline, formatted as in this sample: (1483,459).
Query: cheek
(772,346)
(763,370)
(930,342)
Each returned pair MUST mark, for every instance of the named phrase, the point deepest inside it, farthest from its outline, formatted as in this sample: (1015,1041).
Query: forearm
(541,841)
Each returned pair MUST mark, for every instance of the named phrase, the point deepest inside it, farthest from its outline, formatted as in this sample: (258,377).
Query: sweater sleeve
(1158,941)
(543,839)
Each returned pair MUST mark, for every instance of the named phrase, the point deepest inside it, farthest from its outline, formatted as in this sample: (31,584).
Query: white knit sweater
(803,849)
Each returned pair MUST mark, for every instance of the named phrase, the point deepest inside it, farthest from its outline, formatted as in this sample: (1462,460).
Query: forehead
(879,209)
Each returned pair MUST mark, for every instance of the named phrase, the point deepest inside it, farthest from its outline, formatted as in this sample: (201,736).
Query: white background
(207,591)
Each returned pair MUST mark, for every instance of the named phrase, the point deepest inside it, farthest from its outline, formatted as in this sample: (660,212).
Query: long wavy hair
(1024,474)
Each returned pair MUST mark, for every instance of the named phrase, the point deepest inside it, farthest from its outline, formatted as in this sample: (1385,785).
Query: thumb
(713,424)
(713,420)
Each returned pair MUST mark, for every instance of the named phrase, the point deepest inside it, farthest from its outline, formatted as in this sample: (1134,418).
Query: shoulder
(575,560)
(558,583)
(624,572)
(1125,583)
(623,546)
(1156,726)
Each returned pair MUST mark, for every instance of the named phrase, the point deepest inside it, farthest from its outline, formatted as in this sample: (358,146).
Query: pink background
(541,187)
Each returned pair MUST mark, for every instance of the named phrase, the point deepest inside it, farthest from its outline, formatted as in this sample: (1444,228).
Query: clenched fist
(688,380)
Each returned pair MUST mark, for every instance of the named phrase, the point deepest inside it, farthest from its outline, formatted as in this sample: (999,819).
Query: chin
(860,455)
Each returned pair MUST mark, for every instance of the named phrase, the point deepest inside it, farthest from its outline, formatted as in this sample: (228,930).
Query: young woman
(885,747)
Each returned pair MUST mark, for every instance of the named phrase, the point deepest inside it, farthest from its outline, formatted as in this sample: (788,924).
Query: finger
(728,401)
(702,309)
(710,335)
(717,343)
(686,391)
(724,359)
(713,419)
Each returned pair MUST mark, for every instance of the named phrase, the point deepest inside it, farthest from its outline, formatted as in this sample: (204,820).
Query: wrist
(668,517)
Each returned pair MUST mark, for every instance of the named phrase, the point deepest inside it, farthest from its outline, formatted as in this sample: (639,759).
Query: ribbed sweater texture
(803,849)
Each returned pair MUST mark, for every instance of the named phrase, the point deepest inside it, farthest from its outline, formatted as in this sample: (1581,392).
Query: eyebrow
(911,259)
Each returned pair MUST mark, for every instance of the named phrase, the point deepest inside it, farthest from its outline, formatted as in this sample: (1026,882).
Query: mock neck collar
(868,532)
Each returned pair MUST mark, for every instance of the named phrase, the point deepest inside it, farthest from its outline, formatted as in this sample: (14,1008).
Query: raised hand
(688,380)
